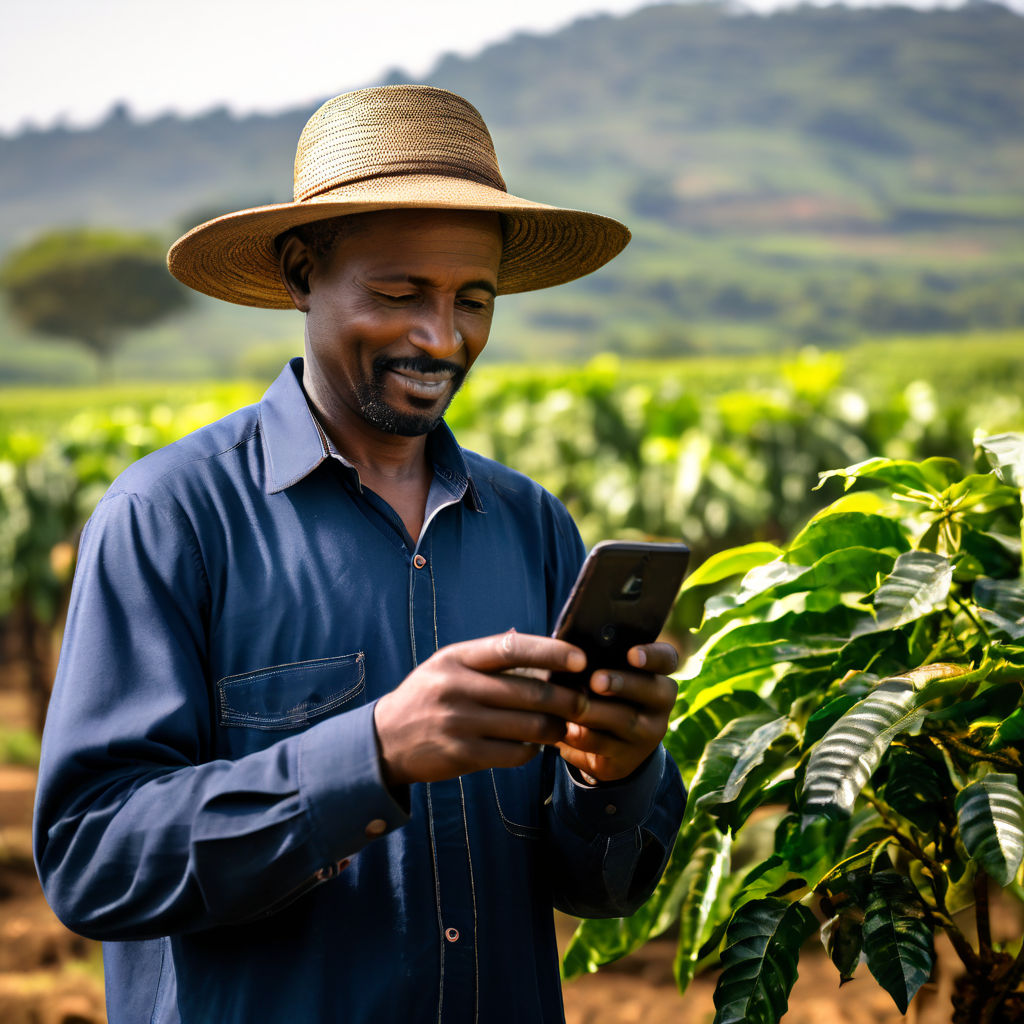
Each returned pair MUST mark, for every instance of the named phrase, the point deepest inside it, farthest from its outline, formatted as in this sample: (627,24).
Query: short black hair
(320,236)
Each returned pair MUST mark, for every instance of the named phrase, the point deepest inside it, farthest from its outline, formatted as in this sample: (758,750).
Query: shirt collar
(295,447)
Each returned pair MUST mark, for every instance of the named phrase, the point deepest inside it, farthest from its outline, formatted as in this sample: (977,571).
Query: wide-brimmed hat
(391,148)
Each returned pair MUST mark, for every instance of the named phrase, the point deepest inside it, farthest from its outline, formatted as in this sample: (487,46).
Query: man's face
(397,313)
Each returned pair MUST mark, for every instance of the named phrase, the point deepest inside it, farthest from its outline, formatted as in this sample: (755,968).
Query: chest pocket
(254,706)
(515,796)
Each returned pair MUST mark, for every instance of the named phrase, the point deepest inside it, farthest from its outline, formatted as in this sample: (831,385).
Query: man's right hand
(463,710)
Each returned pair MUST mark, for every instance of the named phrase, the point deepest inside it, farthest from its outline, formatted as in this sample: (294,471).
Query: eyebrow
(482,284)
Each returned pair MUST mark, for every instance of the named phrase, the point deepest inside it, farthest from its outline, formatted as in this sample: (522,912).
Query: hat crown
(393,130)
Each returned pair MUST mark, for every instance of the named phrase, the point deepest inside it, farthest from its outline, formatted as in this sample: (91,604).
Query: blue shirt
(210,800)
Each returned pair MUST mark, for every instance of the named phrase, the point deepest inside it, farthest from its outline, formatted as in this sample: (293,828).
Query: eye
(473,305)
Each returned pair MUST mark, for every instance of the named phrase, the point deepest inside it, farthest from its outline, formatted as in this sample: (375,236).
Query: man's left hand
(628,718)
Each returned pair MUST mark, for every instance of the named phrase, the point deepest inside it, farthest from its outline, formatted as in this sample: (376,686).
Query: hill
(809,176)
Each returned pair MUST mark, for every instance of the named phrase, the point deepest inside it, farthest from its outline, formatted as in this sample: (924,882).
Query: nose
(435,332)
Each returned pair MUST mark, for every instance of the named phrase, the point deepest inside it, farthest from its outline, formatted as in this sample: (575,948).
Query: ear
(296,265)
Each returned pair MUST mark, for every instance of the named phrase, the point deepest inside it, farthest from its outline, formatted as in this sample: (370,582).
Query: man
(303,762)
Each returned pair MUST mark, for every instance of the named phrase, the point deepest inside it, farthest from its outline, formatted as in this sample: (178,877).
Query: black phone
(622,597)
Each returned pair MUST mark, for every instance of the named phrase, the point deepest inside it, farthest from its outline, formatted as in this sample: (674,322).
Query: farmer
(302,762)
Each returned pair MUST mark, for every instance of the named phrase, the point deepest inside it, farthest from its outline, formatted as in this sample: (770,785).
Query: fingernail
(608,681)
(640,657)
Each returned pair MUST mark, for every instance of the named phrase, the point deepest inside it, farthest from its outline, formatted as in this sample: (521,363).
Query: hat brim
(233,257)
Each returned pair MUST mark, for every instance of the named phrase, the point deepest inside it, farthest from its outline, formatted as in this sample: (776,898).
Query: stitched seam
(472,890)
(520,831)
(437,901)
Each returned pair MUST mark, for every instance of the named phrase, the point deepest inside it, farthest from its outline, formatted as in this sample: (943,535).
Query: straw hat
(394,147)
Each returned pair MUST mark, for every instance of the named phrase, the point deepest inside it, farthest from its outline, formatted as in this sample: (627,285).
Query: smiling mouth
(422,385)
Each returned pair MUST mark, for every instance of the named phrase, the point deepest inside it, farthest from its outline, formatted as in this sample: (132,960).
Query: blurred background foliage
(633,448)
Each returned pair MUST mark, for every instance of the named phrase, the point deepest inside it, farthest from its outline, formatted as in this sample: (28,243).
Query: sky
(70,61)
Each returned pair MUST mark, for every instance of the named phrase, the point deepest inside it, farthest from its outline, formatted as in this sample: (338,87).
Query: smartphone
(622,597)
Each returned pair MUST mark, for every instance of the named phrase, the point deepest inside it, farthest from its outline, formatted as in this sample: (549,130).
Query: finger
(660,658)
(591,741)
(502,754)
(526,693)
(518,726)
(655,693)
(510,650)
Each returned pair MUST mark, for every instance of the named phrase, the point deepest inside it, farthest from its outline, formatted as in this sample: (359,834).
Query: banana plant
(858,698)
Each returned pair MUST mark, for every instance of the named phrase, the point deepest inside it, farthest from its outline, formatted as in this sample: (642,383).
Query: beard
(379,413)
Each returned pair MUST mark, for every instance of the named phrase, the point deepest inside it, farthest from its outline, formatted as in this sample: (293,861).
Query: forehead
(449,237)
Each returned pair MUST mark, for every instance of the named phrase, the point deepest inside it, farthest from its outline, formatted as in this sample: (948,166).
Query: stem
(1006,985)
(981,914)
(976,754)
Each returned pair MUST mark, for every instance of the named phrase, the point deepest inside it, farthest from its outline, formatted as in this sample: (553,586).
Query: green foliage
(863,688)
(18,746)
(759,960)
(90,286)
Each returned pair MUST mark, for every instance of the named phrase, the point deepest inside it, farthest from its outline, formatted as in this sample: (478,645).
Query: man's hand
(460,711)
(627,719)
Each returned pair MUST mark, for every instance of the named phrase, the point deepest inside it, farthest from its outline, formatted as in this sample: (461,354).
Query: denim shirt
(210,800)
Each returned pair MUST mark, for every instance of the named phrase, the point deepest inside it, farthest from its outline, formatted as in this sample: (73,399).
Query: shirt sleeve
(137,832)
(609,843)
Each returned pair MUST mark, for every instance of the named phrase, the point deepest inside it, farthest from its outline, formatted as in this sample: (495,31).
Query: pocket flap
(290,696)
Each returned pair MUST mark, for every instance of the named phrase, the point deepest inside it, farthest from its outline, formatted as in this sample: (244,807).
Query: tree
(90,286)
(858,701)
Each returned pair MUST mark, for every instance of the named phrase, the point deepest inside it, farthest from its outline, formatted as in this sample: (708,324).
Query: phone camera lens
(608,633)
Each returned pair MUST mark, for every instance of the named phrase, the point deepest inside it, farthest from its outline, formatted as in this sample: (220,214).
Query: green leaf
(912,479)
(1005,454)
(843,940)
(851,569)
(755,759)
(690,732)
(719,758)
(990,813)
(848,754)
(1001,607)
(914,789)
(917,586)
(712,573)
(701,881)
(1009,731)
(733,562)
(759,646)
(827,534)
(759,961)
(897,938)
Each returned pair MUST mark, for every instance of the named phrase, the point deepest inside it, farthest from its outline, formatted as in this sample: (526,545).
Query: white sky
(71,60)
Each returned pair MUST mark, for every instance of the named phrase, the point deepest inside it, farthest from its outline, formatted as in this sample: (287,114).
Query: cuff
(609,807)
(341,785)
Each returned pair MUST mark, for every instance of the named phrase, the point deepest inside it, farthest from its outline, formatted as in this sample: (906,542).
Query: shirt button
(451,934)
(419,561)
(610,809)
(377,827)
